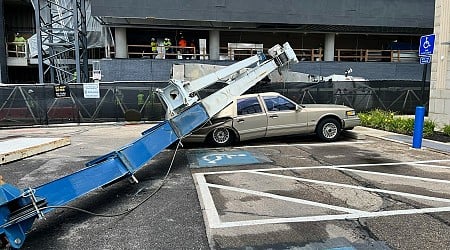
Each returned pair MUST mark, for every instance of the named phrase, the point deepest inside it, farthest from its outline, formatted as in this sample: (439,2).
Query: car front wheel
(328,129)
(221,137)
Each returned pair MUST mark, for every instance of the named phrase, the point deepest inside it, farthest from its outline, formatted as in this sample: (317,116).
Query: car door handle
(240,120)
(274,116)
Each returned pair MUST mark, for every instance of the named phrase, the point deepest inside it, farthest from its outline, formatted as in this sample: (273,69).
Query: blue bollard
(418,127)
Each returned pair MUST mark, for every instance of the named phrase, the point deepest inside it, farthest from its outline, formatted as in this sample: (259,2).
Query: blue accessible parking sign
(427,45)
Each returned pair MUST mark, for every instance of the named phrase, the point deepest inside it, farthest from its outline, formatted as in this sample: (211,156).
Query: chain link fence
(136,101)
(393,95)
(37,104)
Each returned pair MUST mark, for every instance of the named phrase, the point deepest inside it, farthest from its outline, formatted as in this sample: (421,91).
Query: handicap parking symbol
(214,158)
(426,45)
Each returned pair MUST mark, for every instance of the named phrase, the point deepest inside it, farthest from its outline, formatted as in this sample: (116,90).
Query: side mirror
(299,107)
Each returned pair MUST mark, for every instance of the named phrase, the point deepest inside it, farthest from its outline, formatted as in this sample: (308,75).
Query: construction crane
(185,112)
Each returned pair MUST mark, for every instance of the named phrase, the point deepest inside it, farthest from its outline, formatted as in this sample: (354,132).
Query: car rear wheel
(221,137)
(328,129)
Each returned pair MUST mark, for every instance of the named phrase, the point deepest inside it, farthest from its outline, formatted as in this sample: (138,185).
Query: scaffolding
(61,41)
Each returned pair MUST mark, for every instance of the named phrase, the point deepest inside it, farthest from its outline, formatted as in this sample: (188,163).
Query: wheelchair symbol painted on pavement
(234,157)
(214,158)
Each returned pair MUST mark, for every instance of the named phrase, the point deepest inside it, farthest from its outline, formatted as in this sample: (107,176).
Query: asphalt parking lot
(299,193)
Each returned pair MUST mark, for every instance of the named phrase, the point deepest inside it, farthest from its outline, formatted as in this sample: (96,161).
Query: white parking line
(356,187)
(214,220)
(394,175)
(321,167)
(207,201)
(331,217)
(285,198)
(429,165)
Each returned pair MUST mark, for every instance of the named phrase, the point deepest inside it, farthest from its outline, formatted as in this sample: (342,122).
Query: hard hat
(153,39)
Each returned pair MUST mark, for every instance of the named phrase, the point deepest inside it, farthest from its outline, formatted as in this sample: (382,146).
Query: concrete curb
(435,146)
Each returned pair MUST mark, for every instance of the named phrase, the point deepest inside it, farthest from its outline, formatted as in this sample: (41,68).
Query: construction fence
(136,101)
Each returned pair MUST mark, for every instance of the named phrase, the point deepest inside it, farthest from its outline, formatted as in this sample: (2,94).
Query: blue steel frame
(19,209)
(106,169)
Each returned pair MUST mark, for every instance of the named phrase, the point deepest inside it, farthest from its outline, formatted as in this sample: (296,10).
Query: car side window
(278,103)
(247,106)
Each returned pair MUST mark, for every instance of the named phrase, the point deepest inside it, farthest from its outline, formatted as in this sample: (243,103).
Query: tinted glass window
(248,106)
(278,103)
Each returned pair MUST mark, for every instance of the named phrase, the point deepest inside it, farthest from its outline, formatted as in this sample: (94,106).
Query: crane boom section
(186,112)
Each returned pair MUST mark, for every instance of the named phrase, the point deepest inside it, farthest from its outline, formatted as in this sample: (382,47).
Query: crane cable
(129,210)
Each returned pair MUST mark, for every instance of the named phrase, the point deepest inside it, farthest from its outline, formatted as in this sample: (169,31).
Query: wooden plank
(19,148)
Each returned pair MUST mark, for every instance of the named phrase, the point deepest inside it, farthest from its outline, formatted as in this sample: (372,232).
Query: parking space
(293,193)
(351,186)
(364,205)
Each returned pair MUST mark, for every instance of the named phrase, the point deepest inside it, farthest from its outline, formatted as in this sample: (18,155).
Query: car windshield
(248,106)
(278,103)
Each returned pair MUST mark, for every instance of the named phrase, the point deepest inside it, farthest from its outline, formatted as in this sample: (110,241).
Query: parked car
(271,114)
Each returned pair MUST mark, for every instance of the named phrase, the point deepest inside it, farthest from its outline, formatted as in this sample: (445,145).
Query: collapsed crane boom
(186,112)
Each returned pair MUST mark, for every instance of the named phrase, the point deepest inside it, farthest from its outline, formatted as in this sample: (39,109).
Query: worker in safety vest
(154,46)
(167,45)
(20,43)
(140,100)
(182,44)
(119,97)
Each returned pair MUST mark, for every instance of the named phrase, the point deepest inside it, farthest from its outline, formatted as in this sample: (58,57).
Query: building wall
(440,70)
(3,48)
(160,70)
(385,13)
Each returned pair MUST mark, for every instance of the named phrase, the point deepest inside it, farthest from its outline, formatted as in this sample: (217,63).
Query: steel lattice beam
(61,41)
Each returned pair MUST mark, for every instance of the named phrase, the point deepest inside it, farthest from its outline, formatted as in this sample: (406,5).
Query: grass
(385,120)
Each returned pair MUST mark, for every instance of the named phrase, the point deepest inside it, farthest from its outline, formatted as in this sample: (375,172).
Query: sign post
(426,49)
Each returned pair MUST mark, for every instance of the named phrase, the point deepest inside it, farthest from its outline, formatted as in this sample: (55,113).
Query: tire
(328,129)
(221,137)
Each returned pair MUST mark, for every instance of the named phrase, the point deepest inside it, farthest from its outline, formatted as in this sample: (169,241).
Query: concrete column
(214,45)
(121,45)
(329,47)
(3,53)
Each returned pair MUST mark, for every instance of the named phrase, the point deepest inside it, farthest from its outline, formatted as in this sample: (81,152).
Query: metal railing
(374,55)
(17,49)
(162,52)
(20,50)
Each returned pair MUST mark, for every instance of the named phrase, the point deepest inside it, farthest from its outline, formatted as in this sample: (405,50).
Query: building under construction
(74,42)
